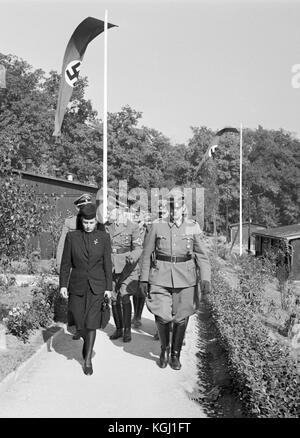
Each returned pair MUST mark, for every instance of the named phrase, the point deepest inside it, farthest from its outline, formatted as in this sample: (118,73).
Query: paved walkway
(126,382)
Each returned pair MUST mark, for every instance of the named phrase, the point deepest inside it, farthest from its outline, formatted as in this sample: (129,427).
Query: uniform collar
(176,223)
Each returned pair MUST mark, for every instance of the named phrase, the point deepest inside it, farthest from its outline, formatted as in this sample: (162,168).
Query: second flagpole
(241,190)
(104,176)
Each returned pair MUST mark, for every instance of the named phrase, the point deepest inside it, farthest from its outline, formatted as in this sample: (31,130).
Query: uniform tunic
(173,288)
(126,241)
(88,257)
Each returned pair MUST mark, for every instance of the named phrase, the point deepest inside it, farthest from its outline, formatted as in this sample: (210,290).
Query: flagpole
(241,204)
(105,123)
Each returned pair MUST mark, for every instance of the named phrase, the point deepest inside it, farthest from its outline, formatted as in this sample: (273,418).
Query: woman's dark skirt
(85,311)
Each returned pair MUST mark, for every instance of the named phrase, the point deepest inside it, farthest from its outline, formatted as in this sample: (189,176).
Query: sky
(181,63)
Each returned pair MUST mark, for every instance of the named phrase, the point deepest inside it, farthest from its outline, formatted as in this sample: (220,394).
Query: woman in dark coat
(86,278)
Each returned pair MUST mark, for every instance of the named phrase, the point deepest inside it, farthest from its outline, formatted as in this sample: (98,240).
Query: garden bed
(31,315)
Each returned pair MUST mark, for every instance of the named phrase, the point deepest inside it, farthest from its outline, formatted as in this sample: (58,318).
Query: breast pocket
(126,239)
(161,242)
(188,242)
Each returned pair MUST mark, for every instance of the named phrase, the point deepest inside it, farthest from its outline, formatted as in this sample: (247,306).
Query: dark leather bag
(105,313)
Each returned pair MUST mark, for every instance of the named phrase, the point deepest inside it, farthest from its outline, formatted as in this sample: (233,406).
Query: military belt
(121,250)
(173,258)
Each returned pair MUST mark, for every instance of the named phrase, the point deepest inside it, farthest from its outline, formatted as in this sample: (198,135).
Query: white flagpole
(241,179)
(105,123)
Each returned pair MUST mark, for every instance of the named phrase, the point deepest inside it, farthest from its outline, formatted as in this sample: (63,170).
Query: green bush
(49,291)
(47,306)
(21,321)
(263,370)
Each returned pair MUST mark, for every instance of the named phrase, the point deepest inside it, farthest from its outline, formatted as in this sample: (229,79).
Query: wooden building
(234,233)
(286,237)
(63,192)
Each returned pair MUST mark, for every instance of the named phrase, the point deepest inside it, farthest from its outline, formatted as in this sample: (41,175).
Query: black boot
(118,318)
(138,304)
(127,310)
(77,335)
(135,307)
(164,336)
(177,340)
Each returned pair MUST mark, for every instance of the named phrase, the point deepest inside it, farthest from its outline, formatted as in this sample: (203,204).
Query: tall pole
(105,123)
(249,220)
(241,179)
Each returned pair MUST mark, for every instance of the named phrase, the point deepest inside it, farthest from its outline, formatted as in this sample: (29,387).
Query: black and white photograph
(150,212)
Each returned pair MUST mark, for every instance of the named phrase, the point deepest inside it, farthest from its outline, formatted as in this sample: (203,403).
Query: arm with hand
(108,266)
(149,247)
(202,262)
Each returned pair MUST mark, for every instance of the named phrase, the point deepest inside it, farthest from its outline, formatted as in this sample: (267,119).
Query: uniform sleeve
(149,247)
(137,243)
(66,263)
(201,256)
(60,245)
(108,262)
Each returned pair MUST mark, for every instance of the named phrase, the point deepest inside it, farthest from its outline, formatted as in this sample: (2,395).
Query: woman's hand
(64,292)
(108,294)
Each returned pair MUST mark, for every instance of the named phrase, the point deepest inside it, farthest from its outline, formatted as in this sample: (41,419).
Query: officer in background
(70,225)
(173,253)
(126,243)
(139,299)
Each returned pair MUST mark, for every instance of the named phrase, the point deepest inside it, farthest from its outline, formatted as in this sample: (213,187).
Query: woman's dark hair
(79,225)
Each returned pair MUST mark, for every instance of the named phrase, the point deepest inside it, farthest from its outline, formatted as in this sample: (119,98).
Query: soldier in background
(126,244)
(138,298)
(71,224)
(173,252)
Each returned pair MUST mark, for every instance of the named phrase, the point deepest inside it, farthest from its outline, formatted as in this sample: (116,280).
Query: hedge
(265,374)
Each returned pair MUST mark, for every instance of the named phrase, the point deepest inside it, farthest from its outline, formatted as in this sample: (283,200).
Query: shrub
(47,305)
(263,370)
(20,321)
(49,291)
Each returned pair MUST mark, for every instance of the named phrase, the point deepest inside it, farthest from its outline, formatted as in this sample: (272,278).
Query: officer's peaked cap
(83,199)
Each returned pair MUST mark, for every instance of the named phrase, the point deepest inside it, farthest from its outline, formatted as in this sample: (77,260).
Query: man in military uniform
(70,224)
(173,254)
(126,245)
(138,298)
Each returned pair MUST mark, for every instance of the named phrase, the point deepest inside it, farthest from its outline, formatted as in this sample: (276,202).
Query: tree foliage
(143,156)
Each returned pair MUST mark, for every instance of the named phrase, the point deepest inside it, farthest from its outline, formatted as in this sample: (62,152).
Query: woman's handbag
(105,313)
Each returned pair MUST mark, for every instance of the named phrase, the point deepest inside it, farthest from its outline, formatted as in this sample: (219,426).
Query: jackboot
(138,304)
(127,310)
(118,319)
(164,336)
(177,340)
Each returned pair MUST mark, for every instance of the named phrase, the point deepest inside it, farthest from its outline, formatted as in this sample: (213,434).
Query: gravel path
(126,382)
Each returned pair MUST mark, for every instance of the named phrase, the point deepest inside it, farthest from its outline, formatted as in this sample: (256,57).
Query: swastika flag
(84,33)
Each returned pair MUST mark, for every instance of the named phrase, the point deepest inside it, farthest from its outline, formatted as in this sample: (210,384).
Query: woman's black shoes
(87,369)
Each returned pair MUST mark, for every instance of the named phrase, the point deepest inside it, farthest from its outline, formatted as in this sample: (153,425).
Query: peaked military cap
(83,199)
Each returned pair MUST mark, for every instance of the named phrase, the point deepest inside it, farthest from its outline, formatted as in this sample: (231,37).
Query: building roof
(37,176)
(246,223)
(286,232)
